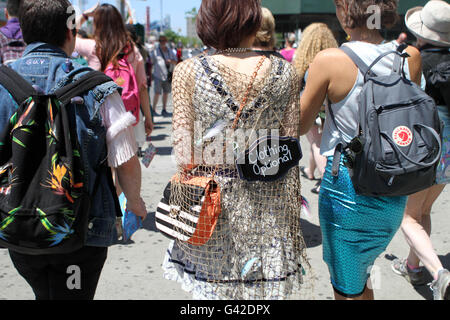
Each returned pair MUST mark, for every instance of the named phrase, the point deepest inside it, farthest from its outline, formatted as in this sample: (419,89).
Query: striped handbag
(193,218)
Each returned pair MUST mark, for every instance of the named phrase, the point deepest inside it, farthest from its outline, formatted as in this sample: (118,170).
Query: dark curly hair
(358,13)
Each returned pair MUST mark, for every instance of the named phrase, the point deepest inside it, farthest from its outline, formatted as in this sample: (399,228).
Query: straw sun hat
(431,22)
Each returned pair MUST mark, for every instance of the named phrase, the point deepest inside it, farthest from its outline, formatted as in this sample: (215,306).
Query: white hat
(431,23)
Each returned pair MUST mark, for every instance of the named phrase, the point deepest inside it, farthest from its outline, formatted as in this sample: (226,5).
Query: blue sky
(175,8)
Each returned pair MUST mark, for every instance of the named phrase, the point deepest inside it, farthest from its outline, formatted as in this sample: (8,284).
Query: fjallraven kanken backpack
(44,202)
(399,145)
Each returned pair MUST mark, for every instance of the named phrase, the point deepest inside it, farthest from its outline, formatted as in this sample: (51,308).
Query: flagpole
(121,6)
(162,16)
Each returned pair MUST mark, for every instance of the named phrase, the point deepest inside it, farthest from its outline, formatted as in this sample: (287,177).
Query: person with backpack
(139,129)
(11,39)
(113,51)
(58,212)
(356,228)
(433,41)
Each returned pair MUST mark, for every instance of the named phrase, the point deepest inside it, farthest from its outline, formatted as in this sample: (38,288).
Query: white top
(158,57)
(346,111)
(120,137)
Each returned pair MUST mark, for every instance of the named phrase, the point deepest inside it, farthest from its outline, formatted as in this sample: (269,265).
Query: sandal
(316,189)
(304,174)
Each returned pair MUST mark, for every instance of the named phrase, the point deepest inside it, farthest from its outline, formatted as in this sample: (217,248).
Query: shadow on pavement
(311,233)
(164,151)
(149,223)
(162,123)
(159,137)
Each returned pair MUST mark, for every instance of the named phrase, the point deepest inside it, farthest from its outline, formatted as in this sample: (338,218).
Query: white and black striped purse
(193,217)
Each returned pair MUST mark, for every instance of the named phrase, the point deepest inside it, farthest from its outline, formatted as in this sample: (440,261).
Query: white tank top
(346,111)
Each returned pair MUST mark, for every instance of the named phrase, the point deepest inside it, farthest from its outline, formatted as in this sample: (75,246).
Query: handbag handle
(424,165)
(243,104)
(247,93)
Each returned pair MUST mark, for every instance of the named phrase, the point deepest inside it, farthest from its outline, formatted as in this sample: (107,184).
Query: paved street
(133,270)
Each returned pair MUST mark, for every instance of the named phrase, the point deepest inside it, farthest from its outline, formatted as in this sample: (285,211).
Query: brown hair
(358,14)
(223,24)
(110,34)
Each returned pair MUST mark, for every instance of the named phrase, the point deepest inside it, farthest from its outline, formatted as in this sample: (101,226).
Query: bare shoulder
(415,57)
(415,64)
(413,52)
(329,56)
(331,62)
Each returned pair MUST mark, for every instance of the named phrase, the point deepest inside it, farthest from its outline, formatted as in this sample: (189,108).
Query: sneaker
(441,286)
(416,277)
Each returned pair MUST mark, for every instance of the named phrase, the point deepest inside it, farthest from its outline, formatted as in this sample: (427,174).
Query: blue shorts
(355,230)
(160,86)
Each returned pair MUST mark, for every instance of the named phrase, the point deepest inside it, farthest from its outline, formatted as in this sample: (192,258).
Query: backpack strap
(399,63)
(81,86)
(17,86)
(78,88)
(365,69)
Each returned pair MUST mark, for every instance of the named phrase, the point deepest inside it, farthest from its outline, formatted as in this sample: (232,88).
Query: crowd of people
(243,92)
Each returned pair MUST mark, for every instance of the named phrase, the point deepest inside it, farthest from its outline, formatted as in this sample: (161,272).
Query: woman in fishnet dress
(257,249)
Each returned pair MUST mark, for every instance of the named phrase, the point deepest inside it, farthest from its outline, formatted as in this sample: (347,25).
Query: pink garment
(86,48)
(288,54)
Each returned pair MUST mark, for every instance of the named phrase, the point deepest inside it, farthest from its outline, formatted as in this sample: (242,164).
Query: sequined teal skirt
(355,229)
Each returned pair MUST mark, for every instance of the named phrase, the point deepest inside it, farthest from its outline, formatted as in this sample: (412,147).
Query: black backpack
(398,147)
(44,201)
(436,67)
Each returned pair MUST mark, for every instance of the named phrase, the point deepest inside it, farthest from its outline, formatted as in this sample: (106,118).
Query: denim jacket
(49,68)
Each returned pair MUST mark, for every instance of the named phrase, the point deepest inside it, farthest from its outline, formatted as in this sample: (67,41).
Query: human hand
(402,38)
(90,12)
(137,207)
(148,123)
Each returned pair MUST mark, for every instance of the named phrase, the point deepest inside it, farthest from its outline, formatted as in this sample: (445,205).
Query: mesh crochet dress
(257,250)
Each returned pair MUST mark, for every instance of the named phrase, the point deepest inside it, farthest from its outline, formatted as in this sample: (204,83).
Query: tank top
(345,128)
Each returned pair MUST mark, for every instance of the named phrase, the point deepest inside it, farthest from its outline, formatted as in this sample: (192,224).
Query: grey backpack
(398,147)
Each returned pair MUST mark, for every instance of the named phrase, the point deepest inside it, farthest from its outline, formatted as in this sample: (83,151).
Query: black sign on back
(269,159)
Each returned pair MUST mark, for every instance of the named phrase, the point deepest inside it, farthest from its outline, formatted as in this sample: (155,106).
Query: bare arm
(415,64)
(145,103)
(129,176)
(183,115)
(88,13)
(315,93)
(122,148)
